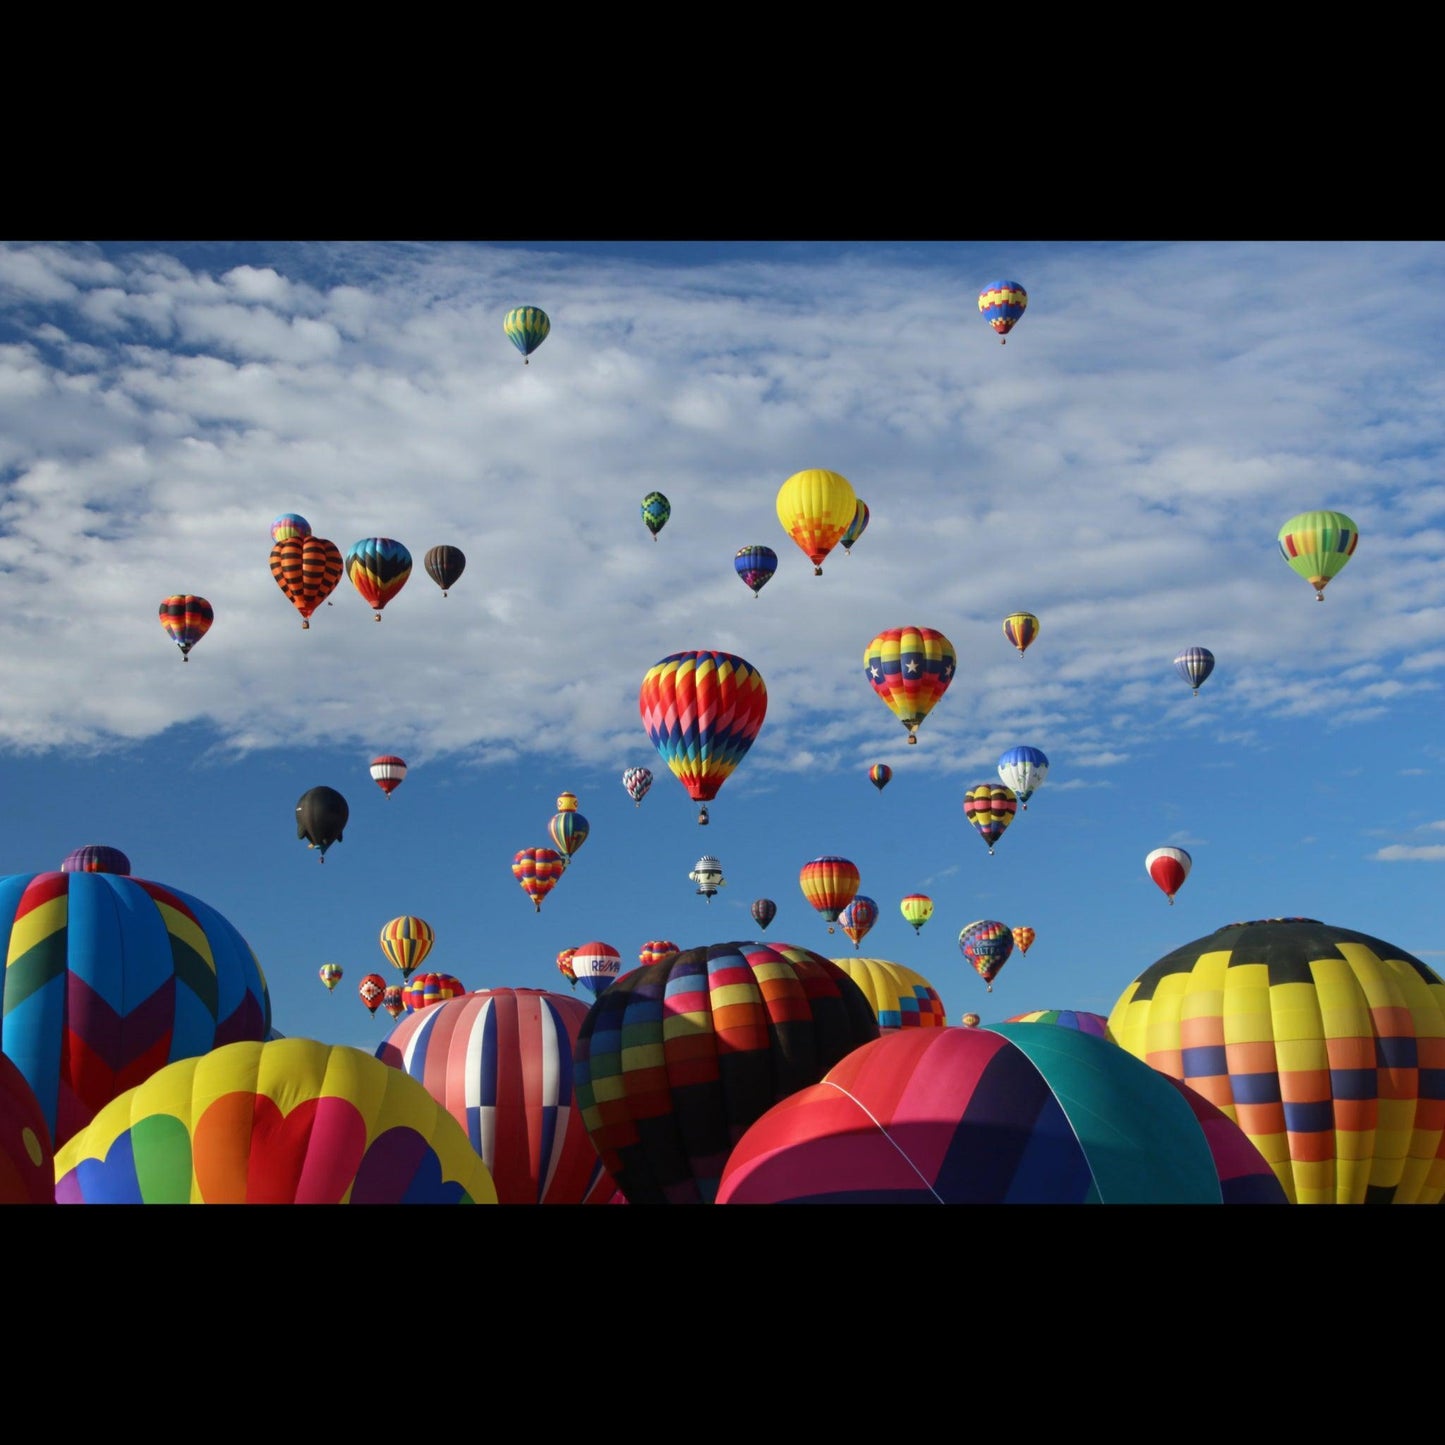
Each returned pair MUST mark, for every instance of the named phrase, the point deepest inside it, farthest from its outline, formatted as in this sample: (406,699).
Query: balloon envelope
(1066,1018)
(1324,1044)
(387,772)
(306,570)
(378,568)
(186,620)
(910,668)
(444,565)
(406,941)
(595,965)
(1168,867)
(1021,628)
(900,997)
(756,566)
(990,807)
(95,858)
(1024,770)
(290,524)
(108,978)
(764,910)
(422,990)
(321,815)
(1002,304)
(637,781)
(829,883)
(27,1157)
(880,775)
(1194,664)
(290,1121)
(1317,545)
(986,946)
(656,509)
(676,1059)
(858,918)
(917,909)
(1011,1114)
(527,327)
(816,507)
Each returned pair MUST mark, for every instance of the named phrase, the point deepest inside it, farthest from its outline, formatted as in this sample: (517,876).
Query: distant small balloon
(96,858)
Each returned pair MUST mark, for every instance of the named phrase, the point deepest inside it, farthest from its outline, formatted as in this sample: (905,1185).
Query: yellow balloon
(816,508)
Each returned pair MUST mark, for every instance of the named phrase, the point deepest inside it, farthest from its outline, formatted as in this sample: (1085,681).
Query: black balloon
(320,816)
(444,565)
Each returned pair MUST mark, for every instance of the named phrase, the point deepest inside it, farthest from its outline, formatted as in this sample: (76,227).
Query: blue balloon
(1194,664)
(1023,770)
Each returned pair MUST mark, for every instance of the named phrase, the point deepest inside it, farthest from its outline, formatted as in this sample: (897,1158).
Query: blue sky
(1120,468)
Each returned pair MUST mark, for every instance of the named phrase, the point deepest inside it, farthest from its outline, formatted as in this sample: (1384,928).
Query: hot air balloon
(858,917)
(288,525)
(761,1022)
(707,873)
(1194,664)
(986,945)
(378,568)
(1023,939)
(423,990)
(1002,303)
(392,1001)
(901,998)
(655,950)
(444,565)
(702,711)
(880,774)
(656,509)
(289,1121)
(1011,1114)
(1320,1042)
(107,978)
(27,1156)
(500,1061)
(856,527)
(990,807)
(917,909)
(815,508)
(1024,770)
(596,965)
(186,620)
(829,884)
(564,966)
(566,802)
(1021,628)
(406,941)
(321,814)
(331,975)
(637,781)
(910,669)
(372,990)
(1065,1018)
(1168,867)
(971,1021)
(1317,545)
(387,772)
(527,327)
(568,830)
(537,870)
(756,565)
(96,858)
(306,570)
(764,910)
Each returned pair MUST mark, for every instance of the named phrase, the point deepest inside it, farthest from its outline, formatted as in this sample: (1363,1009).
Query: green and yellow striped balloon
(1317,545)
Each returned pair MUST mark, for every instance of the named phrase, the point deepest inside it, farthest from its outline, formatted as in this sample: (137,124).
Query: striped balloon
(108,978)
(1002,304)
(378,568)
(1066,1018)
(424,989)
(1317,545)
(527,327)
(387,772)
(186,620)
(1194,664)
(406,941)
(829,884)
(655,950)
(858,918)
(990,807)
(910,668)
(95,858)
(1021,628)
(500,1061)
(288,525)
(595,966)
(537,870)
(306,570)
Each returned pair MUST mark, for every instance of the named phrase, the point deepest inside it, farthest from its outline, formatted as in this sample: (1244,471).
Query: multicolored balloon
(1002,304)
(378,568)
(564,966)
(1024,770)
(1321,1042)
(971,1021)
(637,781)
(27,1156)
(392,1001)
(537,870)
(444,565)
(990,807)
(596,966)
(917,909)
(764,910)
(900,997)
(321,815)
(756,565)
(1194,664)
(1168,867)
(306,570)
(372,990)
(856,527)
(527,327)
(702,711)
(655,950)
(1066,1018)
(288,525)
(406,941)
(829,884)
(107,977)
(1023,939)
(656,509)
(986,945)
(714,1037)
(880,775)
(910,668)
(425,990)
(289,1121)
(331,975)
(1021,628)
(816,508)
(1012,1114)
(500,1061)
(566,802)
(1317,545)
(387,772)
(186,619)
(96,858)
(568,831)
(858,918)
